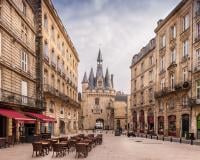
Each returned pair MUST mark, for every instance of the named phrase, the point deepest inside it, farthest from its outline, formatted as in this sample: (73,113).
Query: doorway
(99,124)
(185,125)
(198,127)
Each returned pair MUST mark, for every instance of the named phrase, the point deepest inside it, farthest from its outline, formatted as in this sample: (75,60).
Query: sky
(120,28)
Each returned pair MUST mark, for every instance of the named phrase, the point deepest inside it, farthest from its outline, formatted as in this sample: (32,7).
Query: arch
(99,124)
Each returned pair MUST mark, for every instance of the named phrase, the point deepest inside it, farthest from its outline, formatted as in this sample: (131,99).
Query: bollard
(171,139)
(157,137)
(180,140)
(163,138)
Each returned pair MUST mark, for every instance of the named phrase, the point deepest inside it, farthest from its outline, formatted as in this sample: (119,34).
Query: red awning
(41,117)
(16,115)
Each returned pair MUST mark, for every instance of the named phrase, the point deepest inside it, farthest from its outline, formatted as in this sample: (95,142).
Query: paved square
(117,148)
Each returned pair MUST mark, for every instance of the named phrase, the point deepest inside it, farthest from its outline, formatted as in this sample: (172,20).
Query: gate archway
(99,124)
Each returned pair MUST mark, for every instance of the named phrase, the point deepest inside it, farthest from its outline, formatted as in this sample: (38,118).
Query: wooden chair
(37,148)
(58,149)
(81,150)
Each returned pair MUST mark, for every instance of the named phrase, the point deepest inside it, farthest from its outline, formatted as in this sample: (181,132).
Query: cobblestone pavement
(117,148)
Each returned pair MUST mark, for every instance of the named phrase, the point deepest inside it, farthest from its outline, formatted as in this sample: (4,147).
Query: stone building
(17,67)
(98,96)
(121,111)
(177,110)
(57,69)
(143,77)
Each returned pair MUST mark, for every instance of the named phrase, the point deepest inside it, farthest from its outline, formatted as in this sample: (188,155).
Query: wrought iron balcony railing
(17,99)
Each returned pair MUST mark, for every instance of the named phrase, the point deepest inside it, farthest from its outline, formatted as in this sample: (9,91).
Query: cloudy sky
(119,27)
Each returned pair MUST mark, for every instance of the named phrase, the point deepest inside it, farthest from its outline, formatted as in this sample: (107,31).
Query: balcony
(163,92)
(59,68)
(10,98)
(172,65)
(194,101)
(46,57)
(185,85)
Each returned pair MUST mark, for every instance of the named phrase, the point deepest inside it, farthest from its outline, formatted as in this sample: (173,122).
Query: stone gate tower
(98,96)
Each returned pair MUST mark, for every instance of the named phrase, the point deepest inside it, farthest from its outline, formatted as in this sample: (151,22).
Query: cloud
(119,27)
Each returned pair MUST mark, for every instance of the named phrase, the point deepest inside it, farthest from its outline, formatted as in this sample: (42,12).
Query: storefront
(172,125)
(14,123)
(161,125)
(142,121)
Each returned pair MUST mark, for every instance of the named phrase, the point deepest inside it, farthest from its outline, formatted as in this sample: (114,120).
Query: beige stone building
(98,96)
(176,80)
(57,70)
(143,71)
(121,111)
(17,67)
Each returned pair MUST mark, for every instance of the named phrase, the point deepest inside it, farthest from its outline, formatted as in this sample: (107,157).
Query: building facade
(176,91)
(143,71)
(17,67)
(57,69)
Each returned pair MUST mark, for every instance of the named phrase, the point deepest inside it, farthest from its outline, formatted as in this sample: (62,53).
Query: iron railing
(17,99)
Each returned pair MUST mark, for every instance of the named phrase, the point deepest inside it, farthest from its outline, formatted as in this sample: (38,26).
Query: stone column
(37,127)
(9,127)
(145,121)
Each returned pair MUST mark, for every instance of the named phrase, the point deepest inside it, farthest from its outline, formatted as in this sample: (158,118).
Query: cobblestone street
(117,148)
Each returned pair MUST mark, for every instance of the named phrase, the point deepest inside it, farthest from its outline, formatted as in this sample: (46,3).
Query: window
(45,22)
(46,49)
(24,91)
(185,100)
(142,66)
(24,32)
(96,101)
(162,65)
(173,31)
(142,81)
(173,56)
(135,85)
(162,84)
(198,58)
(186,22)
(24,61)
(151,60)
(172,104)
(62,110)
(185,74)
(150,75)
(172,81)
(198,89)
(52,33)
(198,30)
(163,42)
(51,108)
(185,48)
(24,8)
(161,107)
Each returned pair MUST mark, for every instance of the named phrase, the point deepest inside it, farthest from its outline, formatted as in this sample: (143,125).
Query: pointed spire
(99,58)
(91,79)
(85,79)
(107,79)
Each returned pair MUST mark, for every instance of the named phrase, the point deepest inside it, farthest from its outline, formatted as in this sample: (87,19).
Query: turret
(99,74)
(91,80)
(107,80)
(85,82)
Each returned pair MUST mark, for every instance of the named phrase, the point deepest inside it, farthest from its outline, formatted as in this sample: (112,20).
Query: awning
(41,117)
(16,116)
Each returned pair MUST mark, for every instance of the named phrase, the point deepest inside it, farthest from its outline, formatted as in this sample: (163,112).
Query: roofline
(61,26)
(172,13)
